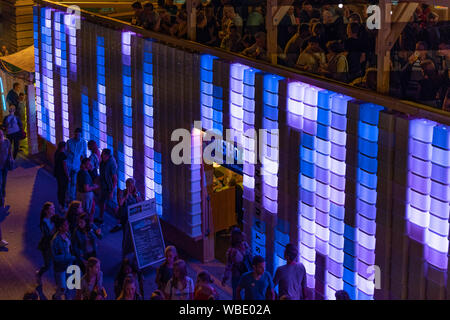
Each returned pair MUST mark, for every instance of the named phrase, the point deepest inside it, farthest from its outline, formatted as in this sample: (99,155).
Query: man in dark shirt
(61,174)
(257,284)
(108,186)
(356,51)
(85,187)
(13,95)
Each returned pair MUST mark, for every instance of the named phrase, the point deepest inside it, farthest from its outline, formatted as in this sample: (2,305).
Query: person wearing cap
(291,278)
(76,151)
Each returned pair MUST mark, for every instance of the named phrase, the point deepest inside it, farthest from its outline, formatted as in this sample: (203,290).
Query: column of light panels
(37,73)
(438,230)
(419,178)
(237,102)
(338,138)
(61,62)
(366,196)
(85,117)
(323,181)
(47,93)
(206,91)
(307,183)
(249,134)
(194,223)
(100,104)
(127,102)
(149,142)
(270,143)
(281,241)
(72,37)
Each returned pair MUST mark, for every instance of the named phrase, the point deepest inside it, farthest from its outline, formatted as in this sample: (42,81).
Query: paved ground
(28,187)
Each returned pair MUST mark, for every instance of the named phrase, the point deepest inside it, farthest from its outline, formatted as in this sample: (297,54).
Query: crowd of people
(330,40)
(70,234)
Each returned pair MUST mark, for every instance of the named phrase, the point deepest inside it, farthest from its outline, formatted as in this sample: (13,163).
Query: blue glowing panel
(37,73)
(61,63)
(366,192)
(148,109)
(270,143)
(206,92)
(100,106)
(127,104)
(2,93)
(47,103)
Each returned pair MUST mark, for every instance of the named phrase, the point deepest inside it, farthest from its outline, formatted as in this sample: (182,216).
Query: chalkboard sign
(146,234)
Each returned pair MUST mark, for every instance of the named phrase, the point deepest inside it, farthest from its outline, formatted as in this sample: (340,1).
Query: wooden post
(191,7)
(272,31)
(383,53)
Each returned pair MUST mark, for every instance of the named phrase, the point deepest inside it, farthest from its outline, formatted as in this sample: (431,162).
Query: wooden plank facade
(362,189)
(17,24)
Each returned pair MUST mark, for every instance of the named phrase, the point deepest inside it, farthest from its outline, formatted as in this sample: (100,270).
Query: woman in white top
(180,286)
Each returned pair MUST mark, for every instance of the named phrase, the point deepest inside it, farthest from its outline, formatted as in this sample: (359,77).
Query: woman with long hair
(128,269)
(165,271)
(74,211)
(180,286)
(92,282)
(129,290)
(47,227)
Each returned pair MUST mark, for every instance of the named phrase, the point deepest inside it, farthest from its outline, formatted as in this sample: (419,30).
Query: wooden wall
(17,24)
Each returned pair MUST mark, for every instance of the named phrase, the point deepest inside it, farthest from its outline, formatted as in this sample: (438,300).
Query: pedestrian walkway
(29,186)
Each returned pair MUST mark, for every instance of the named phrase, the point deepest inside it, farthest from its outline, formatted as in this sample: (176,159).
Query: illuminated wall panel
(338,138)
(366,196)
(206,91)
(46,103)
(307,183)
(237,102)
(100,104)
(148,121)
(61,62)
(37,74)
(270,144)
(2,92)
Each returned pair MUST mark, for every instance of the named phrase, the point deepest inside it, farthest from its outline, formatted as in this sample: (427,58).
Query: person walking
(238,260)
(13,127)
(73,212)
(180,286)
(61,173)
(76,151)
(291,278)
(91,287)
(203,288)
(47,230)
(165,270)
(108,186)
(86,187)
(84,241)
(95,158)
(5,165)
(62,257)
(257,284)
(127,197)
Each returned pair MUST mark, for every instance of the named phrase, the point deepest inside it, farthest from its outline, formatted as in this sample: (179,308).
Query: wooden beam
(383,53)
(191,8)
(281,12)
(399,23)
(272,31)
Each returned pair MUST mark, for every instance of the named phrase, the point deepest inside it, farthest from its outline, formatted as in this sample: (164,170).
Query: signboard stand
(146,233)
